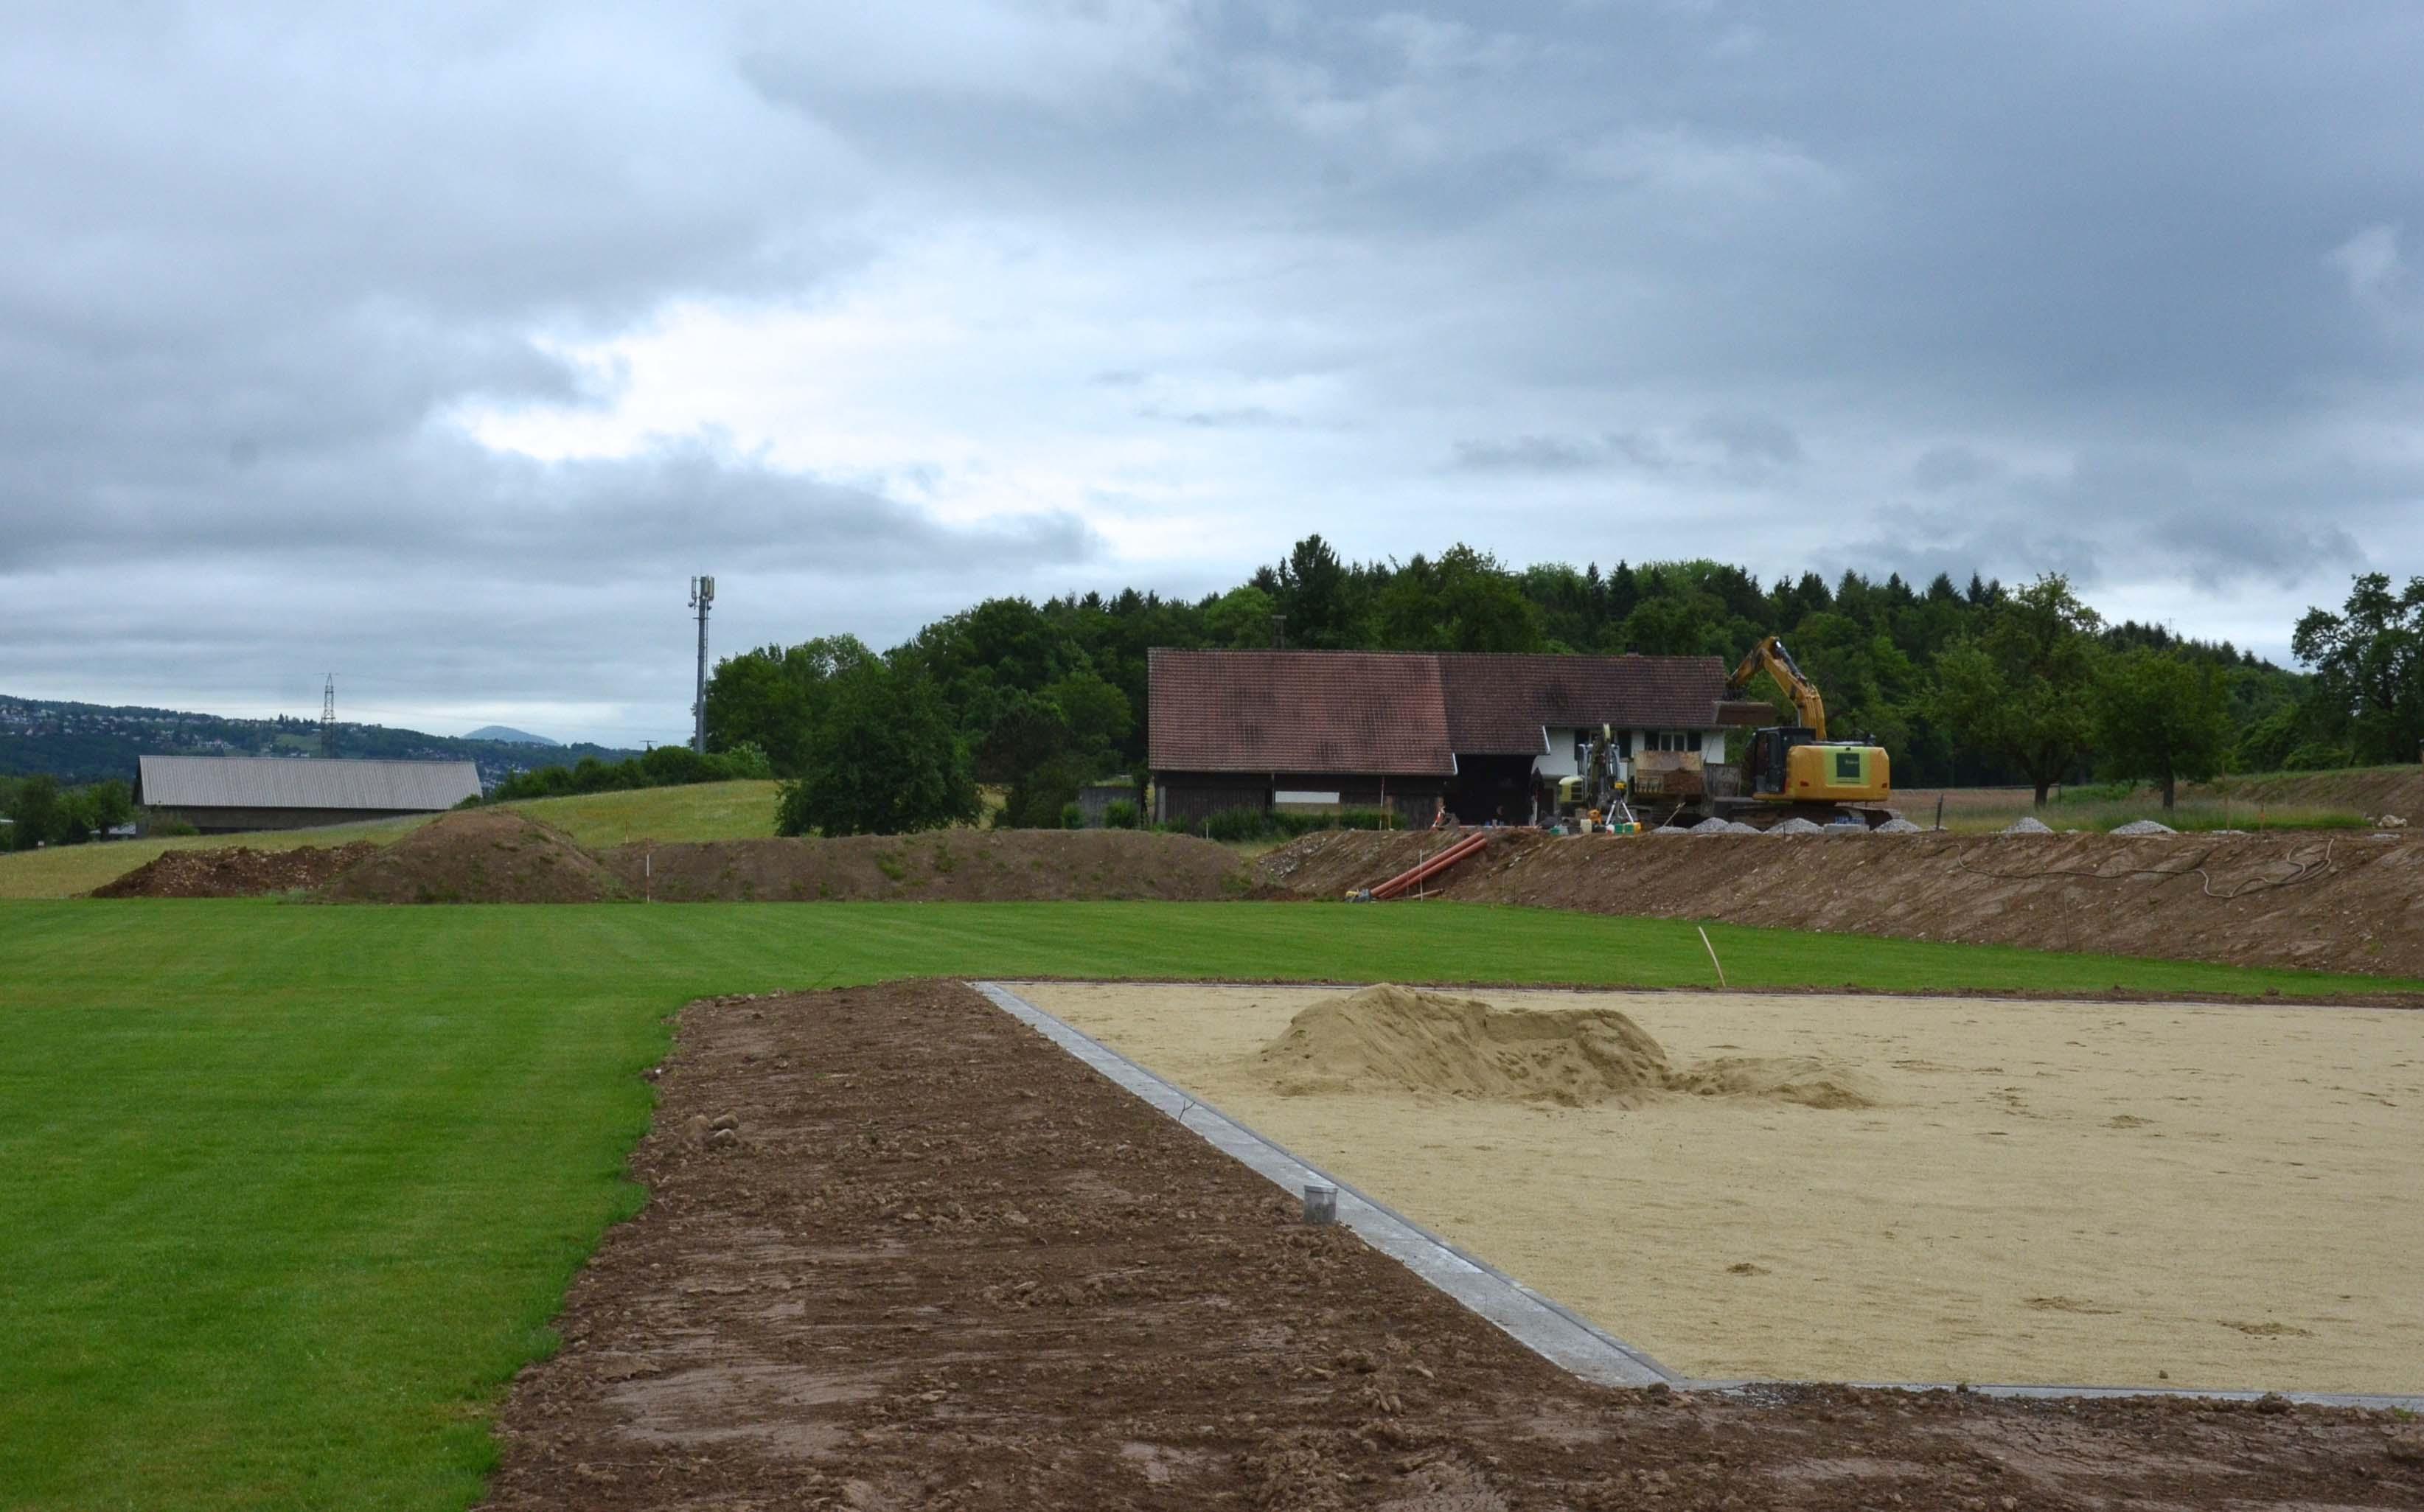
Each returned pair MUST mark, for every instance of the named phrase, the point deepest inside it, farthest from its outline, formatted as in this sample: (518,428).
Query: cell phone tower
(329,719)
(702,597)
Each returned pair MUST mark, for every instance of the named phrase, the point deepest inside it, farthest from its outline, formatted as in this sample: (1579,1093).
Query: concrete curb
(1539,1323)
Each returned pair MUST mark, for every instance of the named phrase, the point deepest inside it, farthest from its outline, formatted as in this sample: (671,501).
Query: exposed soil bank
(484,855)
(944,865)
(941,1264)
(2330,900)
(236,871)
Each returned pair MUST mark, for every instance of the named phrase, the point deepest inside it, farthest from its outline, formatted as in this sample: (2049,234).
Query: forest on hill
(80,743)
(1975,683)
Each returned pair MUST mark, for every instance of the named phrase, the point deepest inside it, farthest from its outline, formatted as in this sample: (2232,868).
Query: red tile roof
(1403,713)
(1497,704)
(1309,712)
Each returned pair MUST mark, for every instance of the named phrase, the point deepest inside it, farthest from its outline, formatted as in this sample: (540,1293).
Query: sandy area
(2093,1193)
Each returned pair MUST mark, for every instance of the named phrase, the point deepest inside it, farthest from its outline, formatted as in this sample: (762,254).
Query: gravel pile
(1897,825)
(2144,826)
(1796,826)
(2028,825)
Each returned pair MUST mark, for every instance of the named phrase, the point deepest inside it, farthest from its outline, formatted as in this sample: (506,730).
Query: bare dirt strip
(2333,901)
(932,1262)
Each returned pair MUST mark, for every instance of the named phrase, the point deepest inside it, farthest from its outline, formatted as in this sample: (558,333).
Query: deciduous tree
(2368,662)
(2160,718)
(886,758)
(2021,688)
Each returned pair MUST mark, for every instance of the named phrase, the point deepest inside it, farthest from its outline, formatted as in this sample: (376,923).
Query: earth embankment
(237,871)
(487,855)
(944,866)
(2337,900)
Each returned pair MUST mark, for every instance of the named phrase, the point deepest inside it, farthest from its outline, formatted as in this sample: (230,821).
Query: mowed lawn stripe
(293,1189)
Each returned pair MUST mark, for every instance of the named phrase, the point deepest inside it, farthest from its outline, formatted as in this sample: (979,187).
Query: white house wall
(1559,760)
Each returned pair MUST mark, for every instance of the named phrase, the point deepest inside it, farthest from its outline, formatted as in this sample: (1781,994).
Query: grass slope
(704,811)
(292,1191)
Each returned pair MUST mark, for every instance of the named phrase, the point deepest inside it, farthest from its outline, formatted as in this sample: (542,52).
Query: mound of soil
(482,856)
(1419,1042)
(938,1263)
(2330,900)
(944,866)
(1389,1036)
(236,871)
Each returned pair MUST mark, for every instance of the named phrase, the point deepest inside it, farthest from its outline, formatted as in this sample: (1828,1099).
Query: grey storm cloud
(1140,290)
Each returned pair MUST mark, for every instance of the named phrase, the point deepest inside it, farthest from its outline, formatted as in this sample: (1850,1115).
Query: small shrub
(1120,814)
(1234,824)
(1071,817)
(2317,757)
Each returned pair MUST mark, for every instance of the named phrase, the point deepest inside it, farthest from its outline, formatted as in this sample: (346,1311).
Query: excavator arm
(1770,656)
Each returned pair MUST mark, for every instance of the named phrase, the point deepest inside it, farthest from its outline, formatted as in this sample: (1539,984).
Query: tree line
(42,813)
(1964,684)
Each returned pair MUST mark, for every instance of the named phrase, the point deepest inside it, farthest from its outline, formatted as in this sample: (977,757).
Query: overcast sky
(438,346)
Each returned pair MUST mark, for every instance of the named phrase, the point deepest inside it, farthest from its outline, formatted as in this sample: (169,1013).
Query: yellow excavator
(1793,769)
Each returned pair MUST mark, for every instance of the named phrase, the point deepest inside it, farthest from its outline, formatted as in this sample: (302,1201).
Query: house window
(1670,740)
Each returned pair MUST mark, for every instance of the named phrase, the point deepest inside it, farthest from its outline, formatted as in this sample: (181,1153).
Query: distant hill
(92,742)
(507,735)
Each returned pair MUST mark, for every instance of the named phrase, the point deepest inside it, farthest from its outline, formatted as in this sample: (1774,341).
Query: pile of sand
(236,871)
(1803,1079)
(481,855)
(1390,1036)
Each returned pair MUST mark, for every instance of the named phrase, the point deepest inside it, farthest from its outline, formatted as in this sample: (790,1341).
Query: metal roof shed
(225,794)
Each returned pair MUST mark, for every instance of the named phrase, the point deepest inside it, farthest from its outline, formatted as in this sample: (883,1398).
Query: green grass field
(293,1189)
(2345,798)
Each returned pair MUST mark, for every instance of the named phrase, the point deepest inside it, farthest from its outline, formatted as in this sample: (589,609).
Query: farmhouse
(1368,729)
(219,795)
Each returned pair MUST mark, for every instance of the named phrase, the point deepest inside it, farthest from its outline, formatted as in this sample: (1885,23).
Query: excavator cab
(1788,762)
